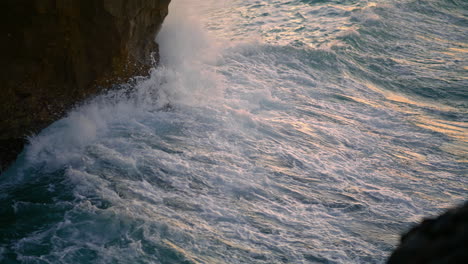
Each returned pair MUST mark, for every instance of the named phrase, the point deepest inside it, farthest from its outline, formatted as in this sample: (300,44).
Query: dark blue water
(272,132)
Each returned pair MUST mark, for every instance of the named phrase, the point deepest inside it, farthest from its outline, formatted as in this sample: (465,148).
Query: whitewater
(272,131)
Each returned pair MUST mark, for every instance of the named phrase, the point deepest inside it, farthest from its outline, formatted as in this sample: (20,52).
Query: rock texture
(55,53)
(440,240)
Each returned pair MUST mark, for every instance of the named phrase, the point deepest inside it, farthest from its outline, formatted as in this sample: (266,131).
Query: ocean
(272,131)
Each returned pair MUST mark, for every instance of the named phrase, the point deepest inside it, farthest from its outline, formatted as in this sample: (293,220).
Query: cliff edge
(437,240)
(55,53)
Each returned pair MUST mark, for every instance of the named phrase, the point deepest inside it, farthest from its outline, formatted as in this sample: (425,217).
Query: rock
(439,240)
(55,53)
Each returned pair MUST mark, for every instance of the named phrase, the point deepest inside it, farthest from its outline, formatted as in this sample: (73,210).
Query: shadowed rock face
(55,53)
(440,240)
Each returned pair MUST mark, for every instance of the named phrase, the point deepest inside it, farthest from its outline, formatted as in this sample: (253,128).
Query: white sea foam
(184,77)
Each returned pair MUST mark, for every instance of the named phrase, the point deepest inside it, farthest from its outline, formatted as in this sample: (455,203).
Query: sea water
(272,131)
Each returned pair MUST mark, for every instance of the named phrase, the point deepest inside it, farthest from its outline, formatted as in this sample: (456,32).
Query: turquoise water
(272,132)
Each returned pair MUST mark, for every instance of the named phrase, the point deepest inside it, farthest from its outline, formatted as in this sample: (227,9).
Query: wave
(245,151)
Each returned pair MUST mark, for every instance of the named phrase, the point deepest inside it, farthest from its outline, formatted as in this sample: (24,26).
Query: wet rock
(55,53)
(439,240)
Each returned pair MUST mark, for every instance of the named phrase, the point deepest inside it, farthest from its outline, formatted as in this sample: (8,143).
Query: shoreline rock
(57,53)
(443,239)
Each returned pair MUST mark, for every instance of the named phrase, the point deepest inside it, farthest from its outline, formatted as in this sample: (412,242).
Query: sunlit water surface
(272,132)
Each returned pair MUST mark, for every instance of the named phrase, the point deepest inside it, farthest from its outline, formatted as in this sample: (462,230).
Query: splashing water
(272,132)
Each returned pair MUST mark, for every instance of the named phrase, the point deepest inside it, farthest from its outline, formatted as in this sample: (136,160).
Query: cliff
(55,53)
(438,240)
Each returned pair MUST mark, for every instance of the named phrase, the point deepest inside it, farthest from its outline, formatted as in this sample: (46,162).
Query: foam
(185,77)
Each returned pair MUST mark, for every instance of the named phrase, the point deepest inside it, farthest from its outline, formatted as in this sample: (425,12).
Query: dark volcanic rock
(55,53)
(440,240)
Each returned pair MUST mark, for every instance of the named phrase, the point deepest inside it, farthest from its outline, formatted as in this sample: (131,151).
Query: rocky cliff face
(55,53)
(438,240)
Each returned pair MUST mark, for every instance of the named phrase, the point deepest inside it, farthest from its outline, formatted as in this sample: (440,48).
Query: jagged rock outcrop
(439,240)
(55,53)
